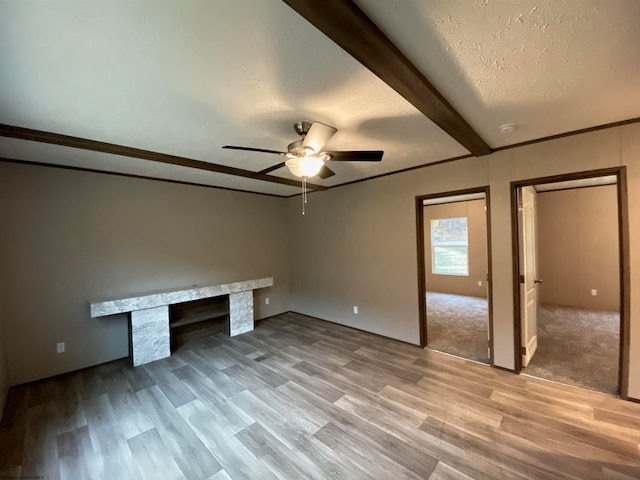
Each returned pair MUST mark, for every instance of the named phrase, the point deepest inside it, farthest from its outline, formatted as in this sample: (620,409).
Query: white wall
(357,243)
(69,237)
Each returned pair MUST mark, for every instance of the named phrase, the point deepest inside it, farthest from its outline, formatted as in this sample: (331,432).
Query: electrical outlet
(60,347)
(479,283)
(355,309)
(594,292)
(266,301)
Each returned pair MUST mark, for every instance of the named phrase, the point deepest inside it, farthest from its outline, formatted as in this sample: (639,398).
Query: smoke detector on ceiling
(507,127)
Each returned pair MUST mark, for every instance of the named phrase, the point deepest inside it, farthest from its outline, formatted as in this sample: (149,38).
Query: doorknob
(538,280)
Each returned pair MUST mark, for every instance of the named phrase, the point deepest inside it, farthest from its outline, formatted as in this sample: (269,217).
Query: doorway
(570,279)
(454,273)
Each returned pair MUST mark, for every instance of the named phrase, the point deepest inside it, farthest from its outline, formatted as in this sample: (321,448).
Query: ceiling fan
(305,157)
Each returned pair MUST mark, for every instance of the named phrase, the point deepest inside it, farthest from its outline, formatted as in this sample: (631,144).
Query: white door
(528,274)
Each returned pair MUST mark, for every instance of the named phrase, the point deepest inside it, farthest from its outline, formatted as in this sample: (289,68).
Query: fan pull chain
(304,194)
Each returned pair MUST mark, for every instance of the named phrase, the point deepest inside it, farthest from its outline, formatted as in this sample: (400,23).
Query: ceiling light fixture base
(507,127)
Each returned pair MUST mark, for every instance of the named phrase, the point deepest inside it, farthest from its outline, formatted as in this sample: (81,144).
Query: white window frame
(456,244)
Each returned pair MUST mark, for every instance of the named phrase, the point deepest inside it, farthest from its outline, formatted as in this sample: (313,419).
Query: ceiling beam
(348,26)
(113,149)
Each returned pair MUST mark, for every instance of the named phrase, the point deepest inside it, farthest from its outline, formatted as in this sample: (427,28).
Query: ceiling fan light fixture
(304,166)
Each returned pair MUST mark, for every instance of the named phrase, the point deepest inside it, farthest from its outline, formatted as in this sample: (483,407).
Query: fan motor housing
(302,128)
(296,149)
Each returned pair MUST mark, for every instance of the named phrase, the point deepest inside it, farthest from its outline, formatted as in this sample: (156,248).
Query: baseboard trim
(270,316)
(504,369)
(358,329)
(389,338)
(634,400)
(29,383)
(70,372)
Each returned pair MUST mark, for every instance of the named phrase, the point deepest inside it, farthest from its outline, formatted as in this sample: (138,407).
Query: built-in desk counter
(149,312)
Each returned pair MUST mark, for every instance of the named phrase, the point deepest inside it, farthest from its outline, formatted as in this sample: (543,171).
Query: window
(449,246)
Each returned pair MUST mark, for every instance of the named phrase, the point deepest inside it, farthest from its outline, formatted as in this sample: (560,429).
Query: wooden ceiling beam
(348,26)
(113,149)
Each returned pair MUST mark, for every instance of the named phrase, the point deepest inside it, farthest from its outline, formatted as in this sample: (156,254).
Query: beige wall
(357,243)
(349,249)
(578,247)
(474,210)
(68,237)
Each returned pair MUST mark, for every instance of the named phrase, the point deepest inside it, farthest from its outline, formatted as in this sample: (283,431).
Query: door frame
(623,259)
(420,239)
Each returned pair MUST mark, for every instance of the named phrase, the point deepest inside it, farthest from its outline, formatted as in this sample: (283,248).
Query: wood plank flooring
(301,398)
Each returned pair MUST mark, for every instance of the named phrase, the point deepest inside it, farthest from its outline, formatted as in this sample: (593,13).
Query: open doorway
(570,279)
(455,302)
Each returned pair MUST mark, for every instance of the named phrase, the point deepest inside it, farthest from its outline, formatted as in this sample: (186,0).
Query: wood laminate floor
(300,398)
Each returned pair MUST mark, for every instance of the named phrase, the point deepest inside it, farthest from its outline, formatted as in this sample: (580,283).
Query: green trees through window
(449,246)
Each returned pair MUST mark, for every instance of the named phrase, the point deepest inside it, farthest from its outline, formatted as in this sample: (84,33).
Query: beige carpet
(457,324)
(578,347)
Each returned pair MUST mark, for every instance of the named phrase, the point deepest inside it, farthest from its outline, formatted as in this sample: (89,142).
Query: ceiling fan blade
(326,172)
(250,149)
(357,156)
(271,169)
(317,136)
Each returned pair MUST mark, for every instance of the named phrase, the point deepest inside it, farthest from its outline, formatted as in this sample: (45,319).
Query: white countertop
(169,297)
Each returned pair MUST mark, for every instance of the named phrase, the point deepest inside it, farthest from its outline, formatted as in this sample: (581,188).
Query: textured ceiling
(549,66)
(185,78)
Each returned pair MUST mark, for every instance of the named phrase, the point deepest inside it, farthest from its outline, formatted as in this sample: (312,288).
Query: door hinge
(523,350)
(521,278)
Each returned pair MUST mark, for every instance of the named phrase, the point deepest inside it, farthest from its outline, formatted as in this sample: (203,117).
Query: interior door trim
(422,310)
(624,261)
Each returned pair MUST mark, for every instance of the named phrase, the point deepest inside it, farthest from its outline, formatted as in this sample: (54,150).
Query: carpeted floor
(578,347)
(457,324)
